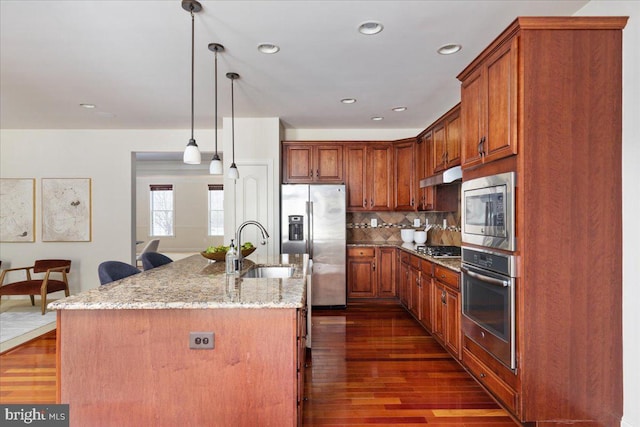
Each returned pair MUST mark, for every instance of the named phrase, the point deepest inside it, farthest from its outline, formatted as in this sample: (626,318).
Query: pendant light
(191,152)
(215,167)
(233,170)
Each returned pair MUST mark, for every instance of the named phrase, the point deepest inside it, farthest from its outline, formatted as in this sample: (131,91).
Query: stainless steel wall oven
(488,302)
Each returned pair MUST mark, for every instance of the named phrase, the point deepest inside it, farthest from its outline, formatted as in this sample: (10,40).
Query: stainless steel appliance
(488,302)
(488,211)
(439,251)
(313,221)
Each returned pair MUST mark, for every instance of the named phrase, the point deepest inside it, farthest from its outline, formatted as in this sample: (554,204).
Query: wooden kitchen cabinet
(489,113)
(404,175)
(368,176)
(386,261)
(403,279)
(447,308)
(426,283)
(371,272)
(446,140)
(361,272)
(532,106)
(309,162)
(415,286)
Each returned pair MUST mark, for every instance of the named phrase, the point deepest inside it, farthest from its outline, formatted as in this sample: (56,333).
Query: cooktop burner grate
(440,251)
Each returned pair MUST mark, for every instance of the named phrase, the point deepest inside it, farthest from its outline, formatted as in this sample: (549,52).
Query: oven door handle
(487,279)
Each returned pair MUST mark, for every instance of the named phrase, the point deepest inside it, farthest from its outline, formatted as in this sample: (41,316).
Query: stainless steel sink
(269,272)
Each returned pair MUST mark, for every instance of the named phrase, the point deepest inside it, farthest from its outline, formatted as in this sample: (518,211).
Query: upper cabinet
(446,140)
(308,163)
(490,107)
(368,176)
(404,175)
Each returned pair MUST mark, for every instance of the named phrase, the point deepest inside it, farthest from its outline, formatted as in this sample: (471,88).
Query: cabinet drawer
(498,388)
(356,252)
(446,276)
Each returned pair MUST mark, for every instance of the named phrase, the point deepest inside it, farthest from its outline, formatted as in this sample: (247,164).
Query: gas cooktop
(439,251)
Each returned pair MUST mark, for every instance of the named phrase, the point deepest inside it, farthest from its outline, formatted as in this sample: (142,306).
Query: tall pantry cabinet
(545,100)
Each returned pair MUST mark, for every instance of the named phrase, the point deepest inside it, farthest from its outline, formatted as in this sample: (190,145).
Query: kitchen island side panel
(135,367)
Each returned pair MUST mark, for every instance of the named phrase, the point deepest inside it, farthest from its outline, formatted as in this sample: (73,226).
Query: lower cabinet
(371,272)
(447,308)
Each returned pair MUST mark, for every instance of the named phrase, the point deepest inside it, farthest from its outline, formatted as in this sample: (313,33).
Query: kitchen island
(124,355)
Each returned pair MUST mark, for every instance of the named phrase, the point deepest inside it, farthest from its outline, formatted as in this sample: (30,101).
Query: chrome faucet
(265,236)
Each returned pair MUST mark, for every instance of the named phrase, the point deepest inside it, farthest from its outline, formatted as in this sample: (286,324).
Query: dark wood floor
(375,365)
(371,364)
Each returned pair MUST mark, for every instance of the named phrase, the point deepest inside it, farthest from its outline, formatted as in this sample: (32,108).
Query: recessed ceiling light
(448,49)
(348,100)
(377,118)
(88,106)
(269,48)
(370,27)
(398,109)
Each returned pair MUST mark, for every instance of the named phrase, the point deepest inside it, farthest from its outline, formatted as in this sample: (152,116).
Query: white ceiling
(132,59)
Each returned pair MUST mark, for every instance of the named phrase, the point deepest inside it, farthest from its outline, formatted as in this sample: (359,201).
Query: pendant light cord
(233,126)
(216,101)
(192,65)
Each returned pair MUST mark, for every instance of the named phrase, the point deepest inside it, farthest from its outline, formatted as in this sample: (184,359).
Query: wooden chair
(39,286)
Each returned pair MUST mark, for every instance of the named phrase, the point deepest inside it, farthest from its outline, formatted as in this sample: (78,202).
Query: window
(161,198)
(216,210)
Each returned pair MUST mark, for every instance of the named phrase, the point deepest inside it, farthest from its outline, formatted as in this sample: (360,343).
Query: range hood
(450,175)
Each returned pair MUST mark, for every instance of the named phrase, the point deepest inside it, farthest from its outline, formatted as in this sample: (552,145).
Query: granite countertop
(450,263)
(196,283)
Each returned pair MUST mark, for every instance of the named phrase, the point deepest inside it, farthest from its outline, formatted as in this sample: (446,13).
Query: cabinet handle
(365,202)
(443,298)
(481,146)
(482,375)
(311,174)
(412,201)
(317,173)
(374,266)
(371,202)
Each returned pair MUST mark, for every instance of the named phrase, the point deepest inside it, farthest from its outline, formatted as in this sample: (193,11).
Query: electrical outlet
(201,340)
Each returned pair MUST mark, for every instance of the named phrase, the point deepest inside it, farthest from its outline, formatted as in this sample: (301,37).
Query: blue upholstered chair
(154,259)
(110,271)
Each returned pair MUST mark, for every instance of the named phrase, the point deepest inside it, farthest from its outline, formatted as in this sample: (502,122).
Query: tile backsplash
(389,224)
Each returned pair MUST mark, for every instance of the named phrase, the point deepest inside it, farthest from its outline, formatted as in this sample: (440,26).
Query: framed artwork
(66,209)
(18,210)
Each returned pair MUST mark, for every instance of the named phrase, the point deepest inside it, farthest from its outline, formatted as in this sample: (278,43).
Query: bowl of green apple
(217,253)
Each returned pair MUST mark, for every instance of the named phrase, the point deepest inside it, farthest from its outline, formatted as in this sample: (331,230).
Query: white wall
(105,157)
(630,197)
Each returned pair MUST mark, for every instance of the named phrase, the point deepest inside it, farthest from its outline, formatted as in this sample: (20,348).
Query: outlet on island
(201,340)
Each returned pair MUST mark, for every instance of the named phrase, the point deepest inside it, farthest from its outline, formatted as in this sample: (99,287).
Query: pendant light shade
(191,152)
(215,167)
(233,170)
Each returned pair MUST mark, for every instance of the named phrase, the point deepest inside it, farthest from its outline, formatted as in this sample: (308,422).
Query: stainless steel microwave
(488,211)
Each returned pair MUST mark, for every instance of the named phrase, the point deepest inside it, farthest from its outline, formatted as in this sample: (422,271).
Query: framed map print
(17,210)
(66,209)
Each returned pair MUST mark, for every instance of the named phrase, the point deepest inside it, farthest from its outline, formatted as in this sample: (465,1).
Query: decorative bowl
(420,237)
(219,256)
(407,235)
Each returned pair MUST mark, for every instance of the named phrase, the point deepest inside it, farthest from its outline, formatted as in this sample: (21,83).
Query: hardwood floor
(375,365)
(371,364)
(28,372)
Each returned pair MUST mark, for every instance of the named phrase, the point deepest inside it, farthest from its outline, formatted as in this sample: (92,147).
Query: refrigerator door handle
(310,228)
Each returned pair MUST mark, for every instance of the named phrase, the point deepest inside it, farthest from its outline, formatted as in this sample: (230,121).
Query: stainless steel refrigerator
(313,221)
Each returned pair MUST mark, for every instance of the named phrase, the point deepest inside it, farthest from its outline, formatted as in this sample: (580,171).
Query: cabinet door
(439,300)
(501,112)
(380,176)
(471,115)
(329,163)
(427,295)
(439,148)
(415,301)
(298,164)
(356,177)
(361,274)
(452,336)
(386,272)
(452,135)
(404,176)
(404,282)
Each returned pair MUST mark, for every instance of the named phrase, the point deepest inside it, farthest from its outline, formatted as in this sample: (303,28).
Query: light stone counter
(196,283)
